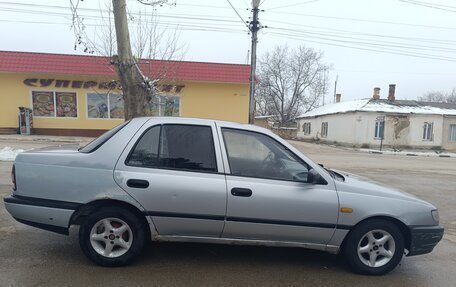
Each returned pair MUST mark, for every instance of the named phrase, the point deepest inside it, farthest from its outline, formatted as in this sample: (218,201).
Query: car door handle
(243,192)
(137,183)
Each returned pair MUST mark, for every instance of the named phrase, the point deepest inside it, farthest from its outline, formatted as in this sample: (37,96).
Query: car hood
(358,184)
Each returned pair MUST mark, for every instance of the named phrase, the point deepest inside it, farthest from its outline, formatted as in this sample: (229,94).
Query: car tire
(374,247)
(112,236)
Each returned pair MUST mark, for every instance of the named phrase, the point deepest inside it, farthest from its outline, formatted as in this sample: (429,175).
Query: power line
(53,6)
(377,42)
(342,31)
(364,20)
(237,13)
(434,4)
(292,5)
(429,5)
(223,22)
(362,46)
(360,43)
(212,29)
(321,37)
(224,7)
(394,72)
(174,16)
(383,50)
(183,16)
(174,26)
(93,10)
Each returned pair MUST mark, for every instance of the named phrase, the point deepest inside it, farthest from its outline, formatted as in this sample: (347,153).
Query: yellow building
(80,95)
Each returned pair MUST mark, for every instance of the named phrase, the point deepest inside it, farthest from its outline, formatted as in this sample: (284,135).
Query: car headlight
(435,215)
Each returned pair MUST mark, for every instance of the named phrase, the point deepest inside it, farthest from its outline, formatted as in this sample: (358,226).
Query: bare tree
(105,34)
(137,89)
(291,81)
(439,97)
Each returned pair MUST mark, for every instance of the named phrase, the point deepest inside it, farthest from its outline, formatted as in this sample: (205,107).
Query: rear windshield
(99,141)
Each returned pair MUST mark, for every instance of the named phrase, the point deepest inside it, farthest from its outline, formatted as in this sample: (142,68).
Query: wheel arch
(84,210)
(401,225)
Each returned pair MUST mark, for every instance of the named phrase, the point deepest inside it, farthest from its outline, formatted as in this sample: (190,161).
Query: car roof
(207,122)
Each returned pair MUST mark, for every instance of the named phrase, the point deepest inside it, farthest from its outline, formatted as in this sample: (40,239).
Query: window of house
(379,129)
(167,106)
(452,133)
(427,131)
(306,128)
(324,129)
(105,106)
(180,147)
(252,154)
(54,104)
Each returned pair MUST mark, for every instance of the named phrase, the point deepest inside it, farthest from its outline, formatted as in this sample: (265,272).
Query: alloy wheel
(376,248)
(111,237)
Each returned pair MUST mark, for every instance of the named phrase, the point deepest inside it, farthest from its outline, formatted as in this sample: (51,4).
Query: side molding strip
(245,219)
(25,200)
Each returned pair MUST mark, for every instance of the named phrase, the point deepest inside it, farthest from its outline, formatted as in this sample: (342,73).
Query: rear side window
(181,147)
(99,141)
(145,153)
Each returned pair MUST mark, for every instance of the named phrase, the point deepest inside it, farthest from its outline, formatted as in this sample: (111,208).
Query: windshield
(99,141)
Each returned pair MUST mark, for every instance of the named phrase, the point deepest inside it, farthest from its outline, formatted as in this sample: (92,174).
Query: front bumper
(424,239)
(45,214)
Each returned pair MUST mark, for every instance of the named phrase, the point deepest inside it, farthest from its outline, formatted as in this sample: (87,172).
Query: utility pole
(254,26)
(324,87)
(335,88)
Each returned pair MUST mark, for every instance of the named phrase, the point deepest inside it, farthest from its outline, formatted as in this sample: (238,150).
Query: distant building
(394,123)
(287,130)
(81,95)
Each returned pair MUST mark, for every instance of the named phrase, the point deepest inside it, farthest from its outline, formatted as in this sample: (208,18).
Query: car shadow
(168,252)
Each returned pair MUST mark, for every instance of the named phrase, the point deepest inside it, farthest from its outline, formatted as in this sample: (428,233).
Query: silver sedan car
(192,180)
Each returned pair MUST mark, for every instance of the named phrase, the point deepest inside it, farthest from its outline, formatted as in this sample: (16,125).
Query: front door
(172,170)
(269,197)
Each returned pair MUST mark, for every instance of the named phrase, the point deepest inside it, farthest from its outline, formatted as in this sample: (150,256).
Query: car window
(99,141)
(145,152)
(187,147)
(256,155)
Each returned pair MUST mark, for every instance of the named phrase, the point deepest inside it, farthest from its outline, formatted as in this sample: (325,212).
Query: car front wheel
(375,247)
(112,236)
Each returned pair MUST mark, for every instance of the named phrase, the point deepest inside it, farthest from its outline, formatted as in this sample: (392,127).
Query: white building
(394,123)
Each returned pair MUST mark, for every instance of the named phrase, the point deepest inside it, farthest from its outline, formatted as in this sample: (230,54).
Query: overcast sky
(417,37)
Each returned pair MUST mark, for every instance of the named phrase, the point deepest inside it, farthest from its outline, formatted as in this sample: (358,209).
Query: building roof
(384,106)
(43,63)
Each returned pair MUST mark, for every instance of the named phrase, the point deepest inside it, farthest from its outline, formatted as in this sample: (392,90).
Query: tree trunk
(134,89)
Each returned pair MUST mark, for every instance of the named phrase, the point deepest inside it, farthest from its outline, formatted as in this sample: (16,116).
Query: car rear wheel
(112,236)
(375,247)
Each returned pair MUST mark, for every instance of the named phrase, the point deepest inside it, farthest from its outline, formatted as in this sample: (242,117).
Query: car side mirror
(314,177)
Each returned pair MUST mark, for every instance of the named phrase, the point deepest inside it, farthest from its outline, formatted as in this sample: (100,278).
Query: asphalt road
(32,257)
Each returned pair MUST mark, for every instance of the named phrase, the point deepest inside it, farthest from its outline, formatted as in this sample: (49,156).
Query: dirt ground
(32,257)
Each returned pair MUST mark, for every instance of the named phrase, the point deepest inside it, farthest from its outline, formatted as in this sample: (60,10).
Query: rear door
(173,170)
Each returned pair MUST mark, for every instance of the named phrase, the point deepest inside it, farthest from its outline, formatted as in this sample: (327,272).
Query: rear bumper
(49,215)
(424,239)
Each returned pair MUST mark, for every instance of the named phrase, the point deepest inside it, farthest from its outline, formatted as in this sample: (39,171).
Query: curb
(410,154)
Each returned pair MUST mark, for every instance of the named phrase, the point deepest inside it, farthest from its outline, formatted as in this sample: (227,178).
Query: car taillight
(13,177)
